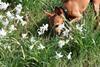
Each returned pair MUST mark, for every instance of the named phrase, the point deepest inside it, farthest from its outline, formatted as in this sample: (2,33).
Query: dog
(96,4)
(55,19)
(75,8)
(72,9)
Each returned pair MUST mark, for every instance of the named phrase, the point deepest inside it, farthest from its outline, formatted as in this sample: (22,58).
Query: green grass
(15,51)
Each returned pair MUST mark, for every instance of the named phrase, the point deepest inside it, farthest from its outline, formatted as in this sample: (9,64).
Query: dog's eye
(56,25)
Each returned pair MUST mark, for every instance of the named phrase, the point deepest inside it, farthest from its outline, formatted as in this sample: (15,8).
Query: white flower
(10,15)
(43,29)
(23,23)
(12,28)
(20,18)
(69,56)
(3,6)
(24,35)
(71,37)
(58,55)
(67,41)
(18,9)
(5,22)
(32,39)
(66,32)
(2,32)
(41,46)
(40,33)
(61,43)
(80,27)
(1,17)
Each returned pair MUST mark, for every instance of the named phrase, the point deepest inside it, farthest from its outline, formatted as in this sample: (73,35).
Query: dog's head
(56,19)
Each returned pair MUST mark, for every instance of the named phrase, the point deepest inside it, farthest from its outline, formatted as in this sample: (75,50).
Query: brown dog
(96,4)
(55,19)
(75,9)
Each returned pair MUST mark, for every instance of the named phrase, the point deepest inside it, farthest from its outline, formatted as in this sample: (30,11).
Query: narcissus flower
(10,15)
(66,32)
(12,28)
(41,47)
(2,32)
(61,43)
(23,23)
(24,35)
(58,55)
(5,22)
(80,27)
(19,18)
(32,39)
(69,56)
(18,9)
(1,17)
(43,29)
(3,5)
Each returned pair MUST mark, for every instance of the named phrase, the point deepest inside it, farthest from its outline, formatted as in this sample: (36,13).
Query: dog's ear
(58,10)
(49,14)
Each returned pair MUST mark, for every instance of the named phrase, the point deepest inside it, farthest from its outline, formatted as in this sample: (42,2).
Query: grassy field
(23,47)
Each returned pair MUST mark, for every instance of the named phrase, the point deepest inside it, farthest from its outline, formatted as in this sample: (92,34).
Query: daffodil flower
(41,47)
(2,32)
(61,43)
(18,9)
(10,15)
(69,56)
(3,5)
(58,55)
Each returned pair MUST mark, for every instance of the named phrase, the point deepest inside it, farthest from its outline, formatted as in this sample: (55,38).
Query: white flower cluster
(5,22)
(18,9)
(59,55)
(2,32)
(66,32)
(3,5)
(41,47)
(79,27)
(61,43)
(10,16)
(12,28)
(42,29)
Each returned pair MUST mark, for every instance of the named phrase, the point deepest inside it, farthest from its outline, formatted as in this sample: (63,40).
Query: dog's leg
(77,15)
(96,4)
(75,12)
(75,20)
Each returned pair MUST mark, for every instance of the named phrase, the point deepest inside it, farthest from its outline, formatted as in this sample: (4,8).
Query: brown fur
(75,9)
